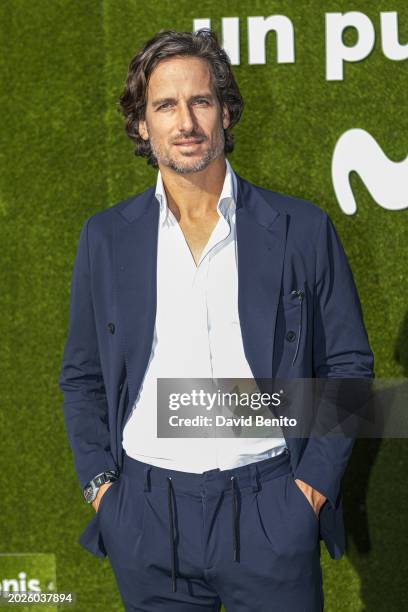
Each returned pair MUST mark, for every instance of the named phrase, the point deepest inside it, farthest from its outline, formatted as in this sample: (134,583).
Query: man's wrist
(90,490)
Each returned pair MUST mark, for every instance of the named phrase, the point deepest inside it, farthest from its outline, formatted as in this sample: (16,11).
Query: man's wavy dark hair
(163,45)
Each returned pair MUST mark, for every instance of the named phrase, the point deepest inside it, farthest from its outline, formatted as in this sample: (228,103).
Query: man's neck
(195,195)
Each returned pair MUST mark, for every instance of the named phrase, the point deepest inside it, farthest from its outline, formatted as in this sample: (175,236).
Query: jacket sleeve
(340,350)
(81,380)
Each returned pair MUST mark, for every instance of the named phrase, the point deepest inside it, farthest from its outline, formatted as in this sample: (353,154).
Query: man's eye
(164,105)
(202,101)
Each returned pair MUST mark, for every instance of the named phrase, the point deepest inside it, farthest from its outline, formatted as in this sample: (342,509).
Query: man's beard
(185,167)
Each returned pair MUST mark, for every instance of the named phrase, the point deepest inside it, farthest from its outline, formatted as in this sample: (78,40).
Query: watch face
(89,494)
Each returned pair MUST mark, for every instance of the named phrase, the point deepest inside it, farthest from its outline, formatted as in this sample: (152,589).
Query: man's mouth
(188,141)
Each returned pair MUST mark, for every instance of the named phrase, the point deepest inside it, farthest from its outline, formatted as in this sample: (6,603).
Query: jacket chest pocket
(290,328)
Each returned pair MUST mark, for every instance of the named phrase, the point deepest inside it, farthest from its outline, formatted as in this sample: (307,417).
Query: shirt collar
(226,203)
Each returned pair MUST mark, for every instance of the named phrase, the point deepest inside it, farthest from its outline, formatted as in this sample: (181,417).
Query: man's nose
(186,120)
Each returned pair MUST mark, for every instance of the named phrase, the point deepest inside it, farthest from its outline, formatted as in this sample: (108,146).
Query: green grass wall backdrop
(64,156)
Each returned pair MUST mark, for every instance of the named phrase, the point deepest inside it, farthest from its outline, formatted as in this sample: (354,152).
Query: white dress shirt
(197,335)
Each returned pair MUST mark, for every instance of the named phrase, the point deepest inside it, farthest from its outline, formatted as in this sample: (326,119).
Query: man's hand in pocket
(315,499)
(100,494)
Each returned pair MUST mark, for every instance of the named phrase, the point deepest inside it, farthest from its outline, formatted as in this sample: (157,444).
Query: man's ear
(143,130)
(225,117)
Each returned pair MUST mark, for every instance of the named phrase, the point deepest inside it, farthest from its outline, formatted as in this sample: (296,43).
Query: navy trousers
(185,542)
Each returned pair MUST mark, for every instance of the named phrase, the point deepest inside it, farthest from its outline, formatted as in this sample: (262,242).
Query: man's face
(183,118)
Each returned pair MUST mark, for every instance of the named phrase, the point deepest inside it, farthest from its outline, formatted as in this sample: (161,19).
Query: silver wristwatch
(91,489)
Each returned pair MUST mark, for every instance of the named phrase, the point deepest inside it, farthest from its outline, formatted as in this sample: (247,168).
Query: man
(205,275)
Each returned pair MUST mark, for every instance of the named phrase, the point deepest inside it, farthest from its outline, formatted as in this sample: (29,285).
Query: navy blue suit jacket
(284,243)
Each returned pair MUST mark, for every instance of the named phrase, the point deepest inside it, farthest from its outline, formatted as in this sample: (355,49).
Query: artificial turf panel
(64,156)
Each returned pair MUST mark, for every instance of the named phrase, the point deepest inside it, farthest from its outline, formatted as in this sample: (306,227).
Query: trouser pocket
(121,518)
(286,519)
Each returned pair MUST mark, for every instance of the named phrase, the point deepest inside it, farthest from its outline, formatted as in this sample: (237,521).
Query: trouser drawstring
(235,537)
(172,543)
(235,521)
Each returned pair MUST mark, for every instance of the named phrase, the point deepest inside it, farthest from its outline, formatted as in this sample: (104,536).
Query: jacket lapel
(261,240)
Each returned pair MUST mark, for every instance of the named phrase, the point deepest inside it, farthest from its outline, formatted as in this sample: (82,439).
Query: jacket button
(111,327)
(290,336)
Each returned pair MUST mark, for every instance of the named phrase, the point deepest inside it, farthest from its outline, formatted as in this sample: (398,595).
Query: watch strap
(108,476)
(90,490)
